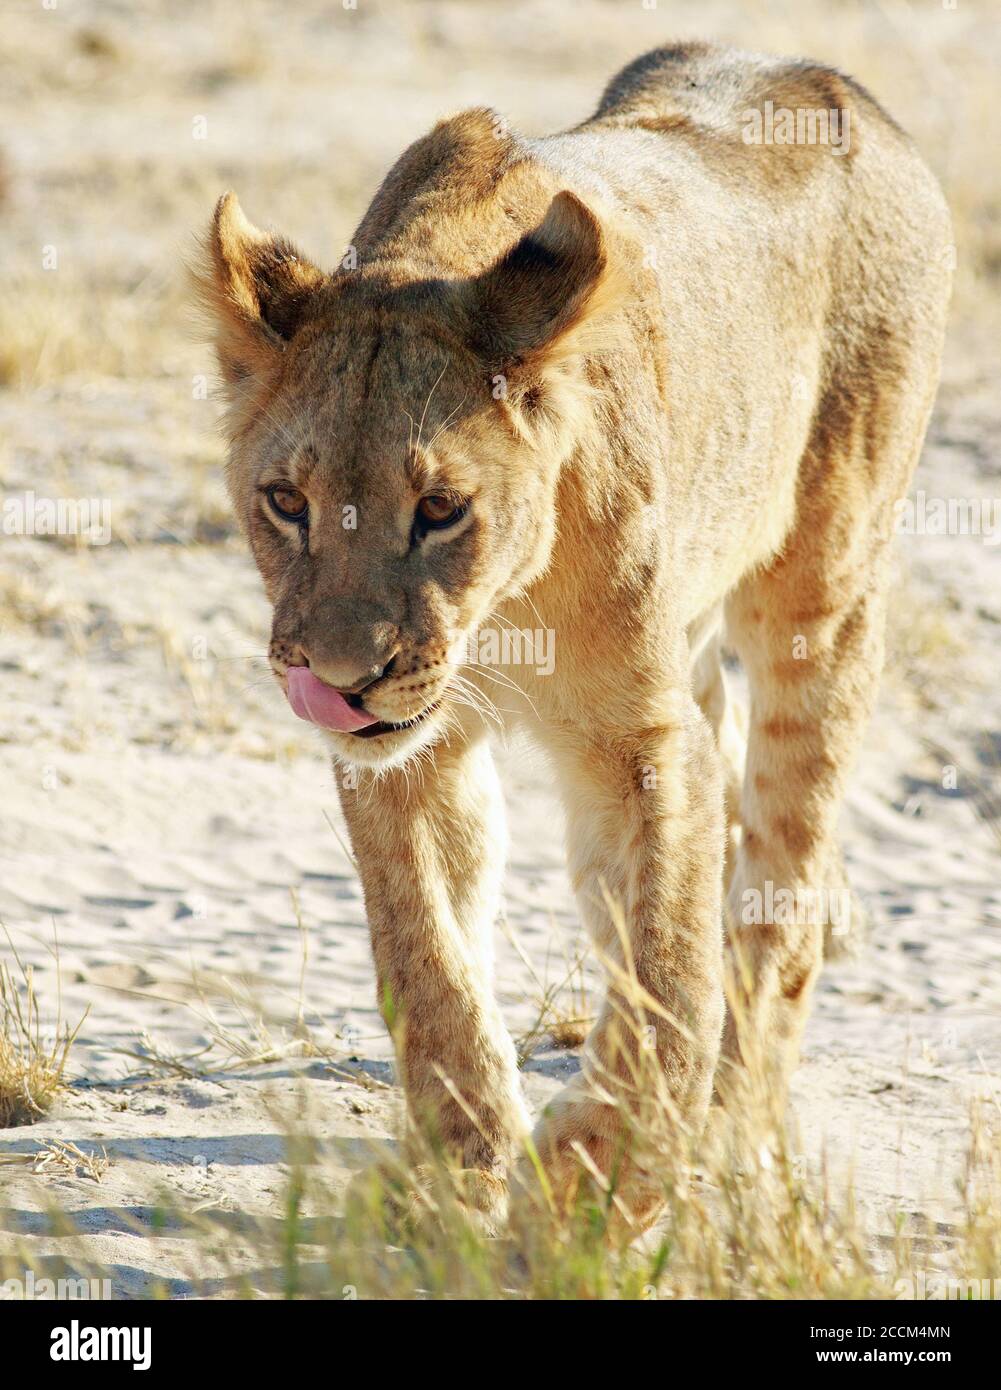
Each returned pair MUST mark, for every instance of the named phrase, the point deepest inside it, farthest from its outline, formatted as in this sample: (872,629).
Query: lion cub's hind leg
(813,662)
(809,633)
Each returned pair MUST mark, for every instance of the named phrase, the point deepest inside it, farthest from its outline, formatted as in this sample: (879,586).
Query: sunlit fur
(682,379)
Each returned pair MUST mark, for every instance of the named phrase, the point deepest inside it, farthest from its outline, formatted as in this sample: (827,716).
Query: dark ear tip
(225,205)
(231,226)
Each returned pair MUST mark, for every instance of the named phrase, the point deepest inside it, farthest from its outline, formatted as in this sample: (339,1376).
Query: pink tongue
(321,704)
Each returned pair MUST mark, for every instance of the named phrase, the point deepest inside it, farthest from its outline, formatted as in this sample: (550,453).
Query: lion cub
(655,378)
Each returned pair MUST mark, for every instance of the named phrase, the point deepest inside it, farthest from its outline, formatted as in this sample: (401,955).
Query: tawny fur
(683,379)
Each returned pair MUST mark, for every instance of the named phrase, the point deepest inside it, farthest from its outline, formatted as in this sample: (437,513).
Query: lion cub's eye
(287,501)
(438,511)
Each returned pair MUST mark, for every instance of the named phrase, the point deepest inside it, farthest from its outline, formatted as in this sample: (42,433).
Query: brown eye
(438,510)
(288,502)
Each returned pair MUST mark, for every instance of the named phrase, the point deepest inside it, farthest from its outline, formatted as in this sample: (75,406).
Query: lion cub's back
(709,88)
(761,125)
(791,148)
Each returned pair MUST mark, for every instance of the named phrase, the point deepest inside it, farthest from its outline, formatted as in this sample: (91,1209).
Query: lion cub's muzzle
(341,711)
(376,702)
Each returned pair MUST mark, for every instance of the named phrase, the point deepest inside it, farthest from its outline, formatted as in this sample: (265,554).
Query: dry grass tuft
(32,1071)
(69,1160)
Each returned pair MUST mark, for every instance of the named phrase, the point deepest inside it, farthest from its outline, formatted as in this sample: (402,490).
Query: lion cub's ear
(538,296)
(256,288)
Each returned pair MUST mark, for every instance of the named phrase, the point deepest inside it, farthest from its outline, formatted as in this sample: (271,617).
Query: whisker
(476,699)
(504,680)
(434,388)
(445,423)
(538,616)
(479,707)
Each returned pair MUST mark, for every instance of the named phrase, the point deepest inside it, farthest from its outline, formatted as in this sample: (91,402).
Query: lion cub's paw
(583,1177)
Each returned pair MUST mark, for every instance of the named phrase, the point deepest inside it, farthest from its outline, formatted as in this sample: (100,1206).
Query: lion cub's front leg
(645,848)
(430,848)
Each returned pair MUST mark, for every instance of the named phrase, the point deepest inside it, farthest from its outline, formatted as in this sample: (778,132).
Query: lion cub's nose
(347,679)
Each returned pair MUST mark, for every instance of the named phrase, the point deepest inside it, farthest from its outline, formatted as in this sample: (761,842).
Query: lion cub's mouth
(326,707)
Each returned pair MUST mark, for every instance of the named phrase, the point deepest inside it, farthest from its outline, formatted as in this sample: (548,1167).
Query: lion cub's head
(396,436)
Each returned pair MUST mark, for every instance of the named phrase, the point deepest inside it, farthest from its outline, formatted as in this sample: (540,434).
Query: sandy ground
(168,821)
